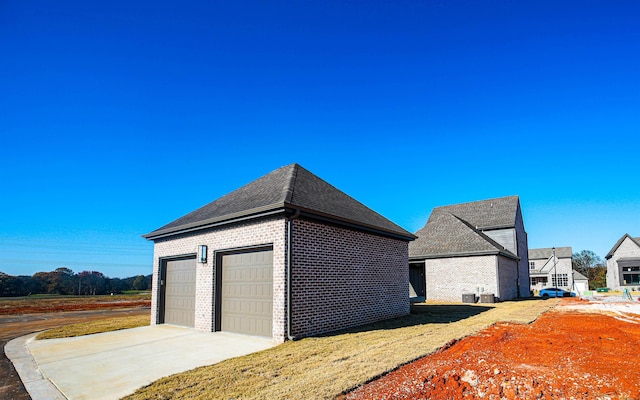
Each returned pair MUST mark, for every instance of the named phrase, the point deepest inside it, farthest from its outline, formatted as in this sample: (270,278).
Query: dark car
(555,292)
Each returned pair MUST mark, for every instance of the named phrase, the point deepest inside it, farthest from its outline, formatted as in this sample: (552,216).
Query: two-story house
(623,264)
(551,267)
(477,247)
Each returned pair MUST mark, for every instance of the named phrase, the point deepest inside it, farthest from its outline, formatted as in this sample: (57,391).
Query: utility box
(468,297)
(487,298)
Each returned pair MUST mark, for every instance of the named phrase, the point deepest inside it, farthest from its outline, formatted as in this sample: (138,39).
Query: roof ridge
(480,201)
(291,186)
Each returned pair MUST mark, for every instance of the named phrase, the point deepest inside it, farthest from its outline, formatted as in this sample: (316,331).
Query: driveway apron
(114,364)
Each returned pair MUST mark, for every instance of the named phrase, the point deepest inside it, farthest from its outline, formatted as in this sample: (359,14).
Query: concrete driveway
(114,364)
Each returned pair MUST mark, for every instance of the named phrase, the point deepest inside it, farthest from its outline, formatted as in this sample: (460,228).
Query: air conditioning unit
(487,298)
(468,298)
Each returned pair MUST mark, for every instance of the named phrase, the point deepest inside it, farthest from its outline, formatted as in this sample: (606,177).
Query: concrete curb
(39,387)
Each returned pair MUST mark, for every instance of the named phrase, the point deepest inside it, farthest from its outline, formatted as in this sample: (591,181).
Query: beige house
(471,248)
(623,264)
(285,256)
(546,270)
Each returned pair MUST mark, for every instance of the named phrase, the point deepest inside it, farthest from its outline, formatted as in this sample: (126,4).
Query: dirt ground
(19,324)
(579,350)
(19,306)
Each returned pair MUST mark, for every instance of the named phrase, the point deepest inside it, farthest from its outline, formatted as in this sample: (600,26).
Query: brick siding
(449,278)
(341,277)
(523,253)
(508,277)
(344,278)
(254,233)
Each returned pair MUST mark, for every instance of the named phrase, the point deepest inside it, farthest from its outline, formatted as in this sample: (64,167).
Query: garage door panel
(247,293)
(180,292)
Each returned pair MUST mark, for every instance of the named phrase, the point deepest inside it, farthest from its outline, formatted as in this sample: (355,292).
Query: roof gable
(447,235)
(289,187)
(485,214)
(636,241)
(577,276)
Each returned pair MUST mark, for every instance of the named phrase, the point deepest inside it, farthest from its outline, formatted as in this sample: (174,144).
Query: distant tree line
(64,281)
(591,265)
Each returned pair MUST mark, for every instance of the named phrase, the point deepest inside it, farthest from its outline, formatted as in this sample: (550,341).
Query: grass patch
(98,326)
(140,292)
(324,367)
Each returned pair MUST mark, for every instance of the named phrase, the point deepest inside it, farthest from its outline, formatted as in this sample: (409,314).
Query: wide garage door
(180,292)
(247,293)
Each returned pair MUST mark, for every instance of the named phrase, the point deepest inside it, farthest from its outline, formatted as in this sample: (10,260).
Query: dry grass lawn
(98,326)
(324,367)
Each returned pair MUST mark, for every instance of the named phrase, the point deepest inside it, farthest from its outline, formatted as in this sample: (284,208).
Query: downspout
(295,215)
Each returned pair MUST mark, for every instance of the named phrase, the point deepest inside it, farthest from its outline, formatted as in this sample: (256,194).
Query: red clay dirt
(17,307)
(562,355)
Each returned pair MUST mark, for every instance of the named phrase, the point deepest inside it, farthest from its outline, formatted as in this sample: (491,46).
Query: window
(629,271)
(559,280)
(532,265)
(538,280)
(632,275)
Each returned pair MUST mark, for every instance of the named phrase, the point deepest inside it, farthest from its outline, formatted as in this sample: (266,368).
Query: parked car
(555,292)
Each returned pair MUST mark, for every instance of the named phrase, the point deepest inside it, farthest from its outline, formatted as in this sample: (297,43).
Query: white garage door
(247,293)
(180,292)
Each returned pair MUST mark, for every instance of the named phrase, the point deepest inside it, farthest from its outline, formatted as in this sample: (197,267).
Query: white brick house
(547,271)
(286,256)
(623,264)
(478,247)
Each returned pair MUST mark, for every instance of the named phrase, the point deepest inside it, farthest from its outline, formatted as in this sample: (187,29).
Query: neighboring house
(478,247)
(547,271)
(623,264)
(580,282)
(286,256)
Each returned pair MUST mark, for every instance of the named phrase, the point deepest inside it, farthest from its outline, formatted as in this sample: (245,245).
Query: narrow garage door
(180,292)
(247,293)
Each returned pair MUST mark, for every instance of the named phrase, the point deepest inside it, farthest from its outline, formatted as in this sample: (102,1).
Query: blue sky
(119,117)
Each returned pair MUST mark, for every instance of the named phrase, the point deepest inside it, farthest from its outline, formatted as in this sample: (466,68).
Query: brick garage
(345,264)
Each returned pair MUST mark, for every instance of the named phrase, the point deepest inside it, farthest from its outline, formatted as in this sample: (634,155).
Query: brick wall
(448,278)
(523,253)
(255,233)
(344,278)
(508,276)
(626,249)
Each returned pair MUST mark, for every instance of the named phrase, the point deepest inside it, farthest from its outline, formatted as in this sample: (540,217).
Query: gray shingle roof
(484,214)
(287,188)
(577,276)
(545,253)
(456,230)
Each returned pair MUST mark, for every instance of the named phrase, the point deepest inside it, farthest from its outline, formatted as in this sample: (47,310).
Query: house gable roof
(577,276)
(546,253)
(287,188)
(485,214)
(446,235)
(456,230)
(619,242)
